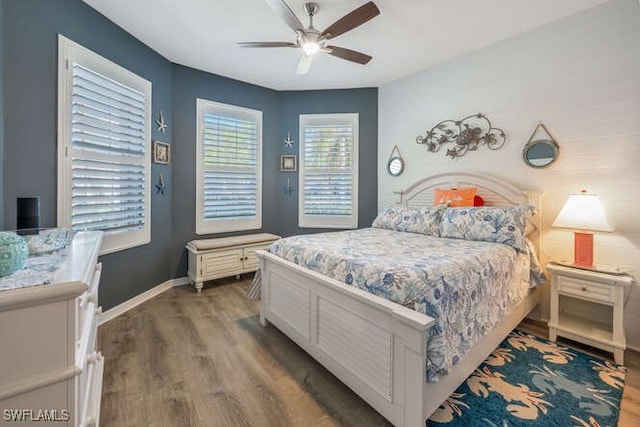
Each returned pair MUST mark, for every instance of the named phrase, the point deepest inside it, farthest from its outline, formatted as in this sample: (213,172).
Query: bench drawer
(221,263)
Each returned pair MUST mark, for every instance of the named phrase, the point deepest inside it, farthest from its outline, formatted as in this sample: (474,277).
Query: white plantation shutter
(105,157)
(229,173)
(328,170)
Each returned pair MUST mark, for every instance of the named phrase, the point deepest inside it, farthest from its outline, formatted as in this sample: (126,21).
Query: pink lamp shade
(583,212)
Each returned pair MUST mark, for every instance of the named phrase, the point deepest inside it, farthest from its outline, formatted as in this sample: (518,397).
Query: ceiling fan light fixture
(310,48)
(312,41)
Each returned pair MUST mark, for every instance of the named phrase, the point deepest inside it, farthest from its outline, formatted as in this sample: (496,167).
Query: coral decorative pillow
(455,198)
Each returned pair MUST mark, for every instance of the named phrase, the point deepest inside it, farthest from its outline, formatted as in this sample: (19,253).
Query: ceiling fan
(312,41)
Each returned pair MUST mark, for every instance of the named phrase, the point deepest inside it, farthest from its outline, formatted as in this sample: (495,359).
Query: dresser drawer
(86,342)
(586,289)
(91,392)
(95,281)
(88,301)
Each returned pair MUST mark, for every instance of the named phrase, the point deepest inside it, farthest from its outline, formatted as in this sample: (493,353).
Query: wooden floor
(188,359)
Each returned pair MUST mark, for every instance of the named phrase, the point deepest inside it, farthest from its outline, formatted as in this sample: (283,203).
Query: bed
(381,349)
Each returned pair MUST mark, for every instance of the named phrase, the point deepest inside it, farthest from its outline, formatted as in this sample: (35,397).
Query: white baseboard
(122,308)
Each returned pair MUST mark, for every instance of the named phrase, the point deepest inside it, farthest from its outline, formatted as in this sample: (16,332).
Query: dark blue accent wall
(30,150)
(281,111)
(292,104)
(29,37)
(188,85)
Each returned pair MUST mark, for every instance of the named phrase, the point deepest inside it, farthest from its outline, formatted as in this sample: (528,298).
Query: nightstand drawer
(586,289)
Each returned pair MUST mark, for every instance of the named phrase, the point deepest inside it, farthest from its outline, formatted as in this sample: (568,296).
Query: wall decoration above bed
(540,152)
(467,134)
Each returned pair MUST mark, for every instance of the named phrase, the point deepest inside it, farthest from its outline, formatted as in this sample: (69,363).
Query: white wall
(580,76)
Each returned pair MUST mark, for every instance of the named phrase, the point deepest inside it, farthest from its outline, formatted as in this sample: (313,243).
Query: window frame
(70,52)
(204,226)
(307,221)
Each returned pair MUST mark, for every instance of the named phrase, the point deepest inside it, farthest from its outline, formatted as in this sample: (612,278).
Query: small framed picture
(161,152)
(288,163)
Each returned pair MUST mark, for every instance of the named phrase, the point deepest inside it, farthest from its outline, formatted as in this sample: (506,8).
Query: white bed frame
(376,347)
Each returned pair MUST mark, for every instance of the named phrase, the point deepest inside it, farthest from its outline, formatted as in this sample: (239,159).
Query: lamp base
(583,249)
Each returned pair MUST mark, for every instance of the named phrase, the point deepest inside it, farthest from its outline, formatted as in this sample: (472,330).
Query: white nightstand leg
(618,356)
(198,286)
(553,320)
(618,325)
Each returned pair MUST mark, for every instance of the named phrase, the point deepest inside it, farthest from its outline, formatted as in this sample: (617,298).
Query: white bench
(225,256)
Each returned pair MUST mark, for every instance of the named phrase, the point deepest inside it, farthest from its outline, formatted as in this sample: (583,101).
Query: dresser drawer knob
(584,288)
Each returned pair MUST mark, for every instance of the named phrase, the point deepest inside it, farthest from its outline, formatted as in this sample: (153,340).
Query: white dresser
(50,370)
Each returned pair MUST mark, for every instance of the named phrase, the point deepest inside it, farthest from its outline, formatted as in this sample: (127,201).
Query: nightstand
(587,306)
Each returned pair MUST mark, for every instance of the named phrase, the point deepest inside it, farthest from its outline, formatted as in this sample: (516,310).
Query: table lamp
(583,212)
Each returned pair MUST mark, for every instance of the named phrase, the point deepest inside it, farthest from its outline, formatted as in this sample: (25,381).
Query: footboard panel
(375,347)
(291,302)
(360,345)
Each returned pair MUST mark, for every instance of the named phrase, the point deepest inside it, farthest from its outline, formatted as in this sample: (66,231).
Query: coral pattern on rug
(529,381)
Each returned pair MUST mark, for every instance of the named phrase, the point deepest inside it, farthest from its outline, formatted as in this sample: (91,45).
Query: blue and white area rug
(528,381)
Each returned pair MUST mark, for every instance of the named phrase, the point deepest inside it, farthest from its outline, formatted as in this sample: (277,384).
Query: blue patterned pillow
(490,224)
(423,220)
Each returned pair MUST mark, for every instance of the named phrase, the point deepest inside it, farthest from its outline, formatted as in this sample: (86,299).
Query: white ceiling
(407,36)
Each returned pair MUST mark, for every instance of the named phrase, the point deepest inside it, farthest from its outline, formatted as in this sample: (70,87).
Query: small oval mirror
(395,166)
(540,153)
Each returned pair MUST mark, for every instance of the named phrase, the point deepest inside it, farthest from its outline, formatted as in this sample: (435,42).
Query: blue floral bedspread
(468,287)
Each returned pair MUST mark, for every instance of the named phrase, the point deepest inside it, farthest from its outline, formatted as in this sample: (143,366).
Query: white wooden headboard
(494,191)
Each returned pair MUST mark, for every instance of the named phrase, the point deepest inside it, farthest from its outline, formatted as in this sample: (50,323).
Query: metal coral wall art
(467,135)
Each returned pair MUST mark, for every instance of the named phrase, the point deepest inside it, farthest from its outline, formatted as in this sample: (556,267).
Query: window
(104,127)
(228,171)
(328,170)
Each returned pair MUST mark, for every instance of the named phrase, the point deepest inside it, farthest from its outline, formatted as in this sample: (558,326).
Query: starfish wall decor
(160,186)
(162,126)
(288,189)
(288,142)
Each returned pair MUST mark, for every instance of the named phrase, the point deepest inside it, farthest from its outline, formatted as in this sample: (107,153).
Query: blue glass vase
(13,253)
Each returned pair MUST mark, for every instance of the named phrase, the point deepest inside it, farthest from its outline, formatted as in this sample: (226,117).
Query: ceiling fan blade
(267,44)
(348,54)
(351,20)
(287,15)
(304,64)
